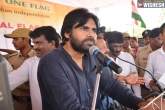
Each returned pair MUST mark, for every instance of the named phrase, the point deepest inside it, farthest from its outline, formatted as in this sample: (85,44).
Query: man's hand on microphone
(134,80)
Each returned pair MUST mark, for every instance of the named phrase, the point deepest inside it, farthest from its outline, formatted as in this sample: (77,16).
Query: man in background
(134,45)
(115,39)
(145,35)
(143,53)
(21,42)
(45,38)
(101,31)
(126,44)
(156,63)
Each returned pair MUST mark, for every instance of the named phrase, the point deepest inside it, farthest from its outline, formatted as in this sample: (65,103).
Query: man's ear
(53,44)
(161,36)
(67,32)
(66,35)
(26,40)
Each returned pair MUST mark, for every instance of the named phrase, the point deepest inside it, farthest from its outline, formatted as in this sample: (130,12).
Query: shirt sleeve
(8,66)
(51,76)
(137,60)
(19,76)
(147,76)
(136,88)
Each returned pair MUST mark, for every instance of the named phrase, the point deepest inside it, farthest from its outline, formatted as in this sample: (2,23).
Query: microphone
(104,60)
(156,82)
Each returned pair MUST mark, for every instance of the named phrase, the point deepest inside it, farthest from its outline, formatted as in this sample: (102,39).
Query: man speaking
(67,75)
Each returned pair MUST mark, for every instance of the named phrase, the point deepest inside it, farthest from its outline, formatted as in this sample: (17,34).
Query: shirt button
(89,90)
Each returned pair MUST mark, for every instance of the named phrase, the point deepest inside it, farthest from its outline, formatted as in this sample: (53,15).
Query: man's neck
(126,49)
(76,56)
(25,51)
(110,54)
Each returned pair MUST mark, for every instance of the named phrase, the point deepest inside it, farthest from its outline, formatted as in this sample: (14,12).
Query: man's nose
(35,46)
(92,33)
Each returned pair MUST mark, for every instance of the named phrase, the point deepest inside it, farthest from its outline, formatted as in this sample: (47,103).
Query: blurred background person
(101,31)
(126,44)
(143,53)
(134,45)
(22,43)
(145,35)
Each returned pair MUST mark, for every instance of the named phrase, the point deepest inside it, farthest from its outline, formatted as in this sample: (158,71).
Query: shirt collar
(121,53)
(30,53)
(161,50)
(149,50)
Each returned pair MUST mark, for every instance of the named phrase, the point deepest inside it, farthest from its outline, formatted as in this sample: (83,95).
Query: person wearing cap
(21,42)
(45,39)
(143,53)
(126,44)
(101,31)
(155,64)
(145,35)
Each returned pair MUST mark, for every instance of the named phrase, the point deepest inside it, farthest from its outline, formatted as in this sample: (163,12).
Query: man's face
(157,41)
(117,47)
(162,36)
(133,43)
(146,41)
(101,34)
(42,46)
(126,42)
(102,46)
(82,38)
(19,43)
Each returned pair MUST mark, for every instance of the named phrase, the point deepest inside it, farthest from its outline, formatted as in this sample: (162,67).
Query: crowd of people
(58,73)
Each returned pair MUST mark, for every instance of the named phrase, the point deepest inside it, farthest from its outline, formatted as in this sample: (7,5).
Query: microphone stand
(156,82)
(99,72)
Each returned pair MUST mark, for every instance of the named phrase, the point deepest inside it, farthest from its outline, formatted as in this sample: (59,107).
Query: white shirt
(28,71)
(8,66)
(155,65)
(127,69)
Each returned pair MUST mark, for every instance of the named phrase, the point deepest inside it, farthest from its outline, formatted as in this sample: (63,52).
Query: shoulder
(11,55)
(155,52)
(54,55)
(32,53)
(143,48)
(126,54)
(33,59)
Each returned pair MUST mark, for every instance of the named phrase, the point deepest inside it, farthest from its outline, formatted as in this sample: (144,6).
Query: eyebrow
(86,27)
(37,42)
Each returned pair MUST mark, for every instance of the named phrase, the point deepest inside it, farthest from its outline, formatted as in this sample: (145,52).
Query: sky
(118,16)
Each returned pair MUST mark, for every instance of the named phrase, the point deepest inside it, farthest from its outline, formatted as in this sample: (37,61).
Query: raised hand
(134,80)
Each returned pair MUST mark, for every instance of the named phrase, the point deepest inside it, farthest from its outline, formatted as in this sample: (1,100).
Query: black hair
(114,37)
(134,38)
(80,16)
(49,33)
(162,28)
(59,36)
